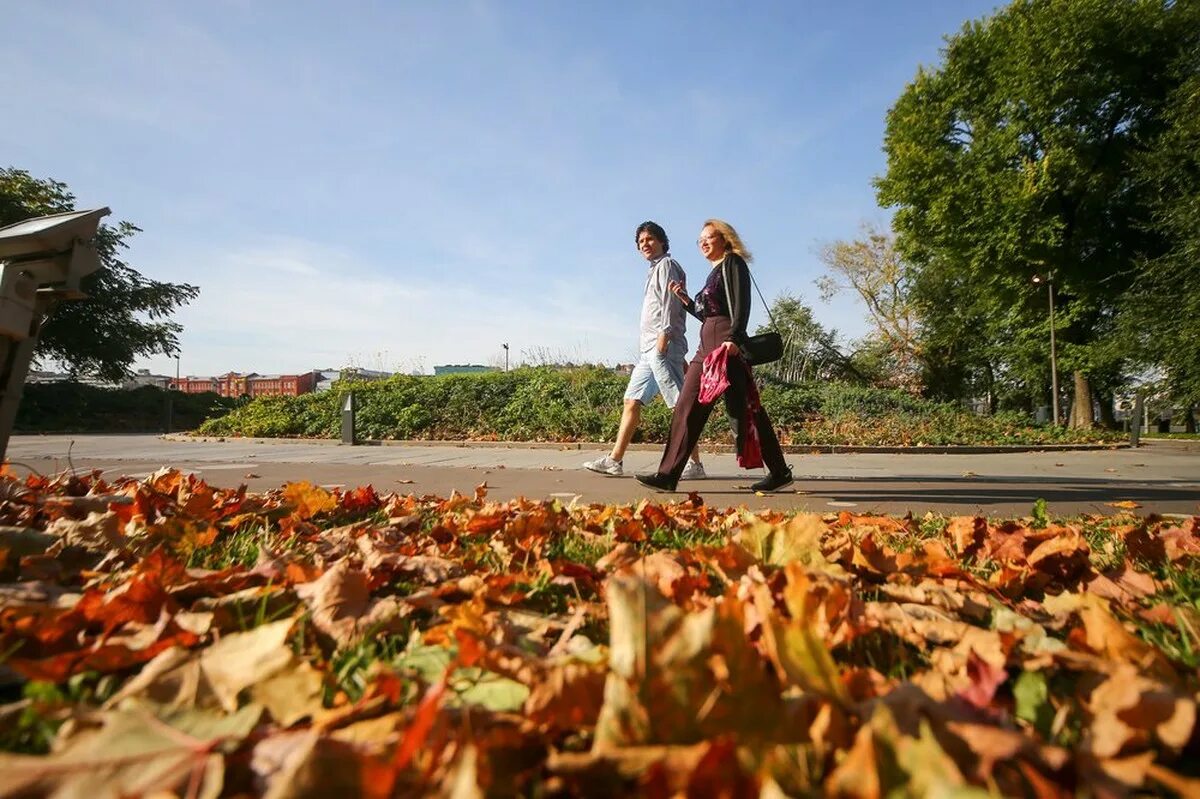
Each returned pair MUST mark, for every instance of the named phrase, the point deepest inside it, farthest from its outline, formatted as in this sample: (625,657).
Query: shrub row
(584,404)
(80,408)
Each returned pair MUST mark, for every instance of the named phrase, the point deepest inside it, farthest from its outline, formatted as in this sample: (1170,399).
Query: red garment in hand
(714,380)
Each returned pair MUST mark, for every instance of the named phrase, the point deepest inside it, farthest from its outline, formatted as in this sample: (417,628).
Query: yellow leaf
(308,499)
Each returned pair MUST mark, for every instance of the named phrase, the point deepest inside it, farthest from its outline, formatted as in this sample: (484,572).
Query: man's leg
(630,417)
(641,389)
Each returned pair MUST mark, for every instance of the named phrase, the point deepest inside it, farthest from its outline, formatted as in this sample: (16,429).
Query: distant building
(234,384)
(38,376)
(357,373)
(194,385)
(326,377)
(143,378)
(464,368)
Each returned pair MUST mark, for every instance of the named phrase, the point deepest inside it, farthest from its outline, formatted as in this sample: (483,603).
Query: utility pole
(1049,281)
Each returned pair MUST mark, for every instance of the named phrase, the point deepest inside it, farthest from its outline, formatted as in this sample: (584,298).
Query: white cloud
(289,305)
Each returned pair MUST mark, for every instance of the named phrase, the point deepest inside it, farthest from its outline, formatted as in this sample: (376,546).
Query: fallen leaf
(133,752)
(337,600)
(308,500)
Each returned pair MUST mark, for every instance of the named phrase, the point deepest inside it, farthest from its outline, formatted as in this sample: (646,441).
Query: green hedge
(80,408)
(584,404)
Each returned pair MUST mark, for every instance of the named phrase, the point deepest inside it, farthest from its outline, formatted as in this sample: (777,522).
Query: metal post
(1053,355)
(1135,421)
(348,419)
(505,345)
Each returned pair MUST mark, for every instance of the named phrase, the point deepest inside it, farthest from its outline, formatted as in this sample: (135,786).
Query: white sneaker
(693,471)
(605,465)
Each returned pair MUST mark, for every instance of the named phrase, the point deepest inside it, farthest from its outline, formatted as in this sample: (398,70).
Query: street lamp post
(1049,281)
(505,346)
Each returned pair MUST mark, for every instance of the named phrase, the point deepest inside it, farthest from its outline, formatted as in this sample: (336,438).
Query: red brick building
(194,385)
(281,385)
(233,384)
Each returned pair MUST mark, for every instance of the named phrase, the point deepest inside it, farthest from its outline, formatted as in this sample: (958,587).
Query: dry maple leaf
(308,500)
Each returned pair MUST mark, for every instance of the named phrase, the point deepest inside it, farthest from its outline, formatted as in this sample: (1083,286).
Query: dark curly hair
(655,230)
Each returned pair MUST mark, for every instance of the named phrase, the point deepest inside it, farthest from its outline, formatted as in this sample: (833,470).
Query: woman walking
(723,306)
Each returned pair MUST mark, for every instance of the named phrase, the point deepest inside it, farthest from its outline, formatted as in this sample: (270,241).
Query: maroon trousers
(689,416)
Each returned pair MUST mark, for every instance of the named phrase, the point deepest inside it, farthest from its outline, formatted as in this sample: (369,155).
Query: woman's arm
(738,275)
(688,304)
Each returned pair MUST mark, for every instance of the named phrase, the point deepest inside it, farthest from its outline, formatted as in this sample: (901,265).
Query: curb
(794,449)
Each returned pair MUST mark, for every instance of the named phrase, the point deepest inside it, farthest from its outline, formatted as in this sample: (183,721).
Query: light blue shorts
(655,373)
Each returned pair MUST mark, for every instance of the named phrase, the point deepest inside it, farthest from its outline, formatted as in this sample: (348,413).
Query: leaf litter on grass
(162,636)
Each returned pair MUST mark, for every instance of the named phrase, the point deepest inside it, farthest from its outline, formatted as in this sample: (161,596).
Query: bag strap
(729,298)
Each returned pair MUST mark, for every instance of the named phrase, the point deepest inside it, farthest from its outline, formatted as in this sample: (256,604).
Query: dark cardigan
(733,268)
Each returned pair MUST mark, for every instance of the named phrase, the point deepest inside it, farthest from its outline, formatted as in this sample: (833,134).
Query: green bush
(584,404)
(80,408)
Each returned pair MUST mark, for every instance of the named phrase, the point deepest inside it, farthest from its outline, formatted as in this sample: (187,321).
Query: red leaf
(985,679)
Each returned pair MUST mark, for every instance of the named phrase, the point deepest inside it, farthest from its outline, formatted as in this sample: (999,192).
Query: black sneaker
(659,482)
(773,482)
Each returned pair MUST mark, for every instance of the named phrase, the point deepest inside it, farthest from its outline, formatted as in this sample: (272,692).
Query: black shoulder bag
(764,347)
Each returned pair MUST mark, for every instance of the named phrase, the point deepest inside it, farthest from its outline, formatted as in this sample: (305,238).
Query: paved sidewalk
(1163,477)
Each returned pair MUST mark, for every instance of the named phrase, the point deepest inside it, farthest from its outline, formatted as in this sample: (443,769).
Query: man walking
(662,346)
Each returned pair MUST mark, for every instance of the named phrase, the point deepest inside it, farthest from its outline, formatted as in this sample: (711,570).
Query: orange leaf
(422,723)
(308,499)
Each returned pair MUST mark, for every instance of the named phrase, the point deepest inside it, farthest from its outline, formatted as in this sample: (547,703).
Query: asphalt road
(1161,476)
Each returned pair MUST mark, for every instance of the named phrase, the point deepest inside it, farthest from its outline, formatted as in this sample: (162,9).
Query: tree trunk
(1189,420)
(1081,407)
(1108,419)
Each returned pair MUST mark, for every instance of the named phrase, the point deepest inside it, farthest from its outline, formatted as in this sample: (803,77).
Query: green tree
(872,268)
(125,316)
(809,350)
(1162,318)
(1019,154)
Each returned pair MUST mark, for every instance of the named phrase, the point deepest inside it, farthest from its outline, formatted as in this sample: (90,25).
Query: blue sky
(398,185)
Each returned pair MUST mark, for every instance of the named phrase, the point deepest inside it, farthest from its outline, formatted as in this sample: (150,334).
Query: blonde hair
(732,240)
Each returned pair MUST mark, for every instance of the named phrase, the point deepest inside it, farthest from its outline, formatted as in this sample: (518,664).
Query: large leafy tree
(1019,154)
(1162,319)
(125,316)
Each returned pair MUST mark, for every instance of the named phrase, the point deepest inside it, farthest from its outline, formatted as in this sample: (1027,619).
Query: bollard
(348,419)
(1135,421)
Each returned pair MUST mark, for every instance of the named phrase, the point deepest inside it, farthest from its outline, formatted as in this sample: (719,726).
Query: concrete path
(1161,476)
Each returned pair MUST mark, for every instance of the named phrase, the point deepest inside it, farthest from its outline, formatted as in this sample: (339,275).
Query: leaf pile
(164,636)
